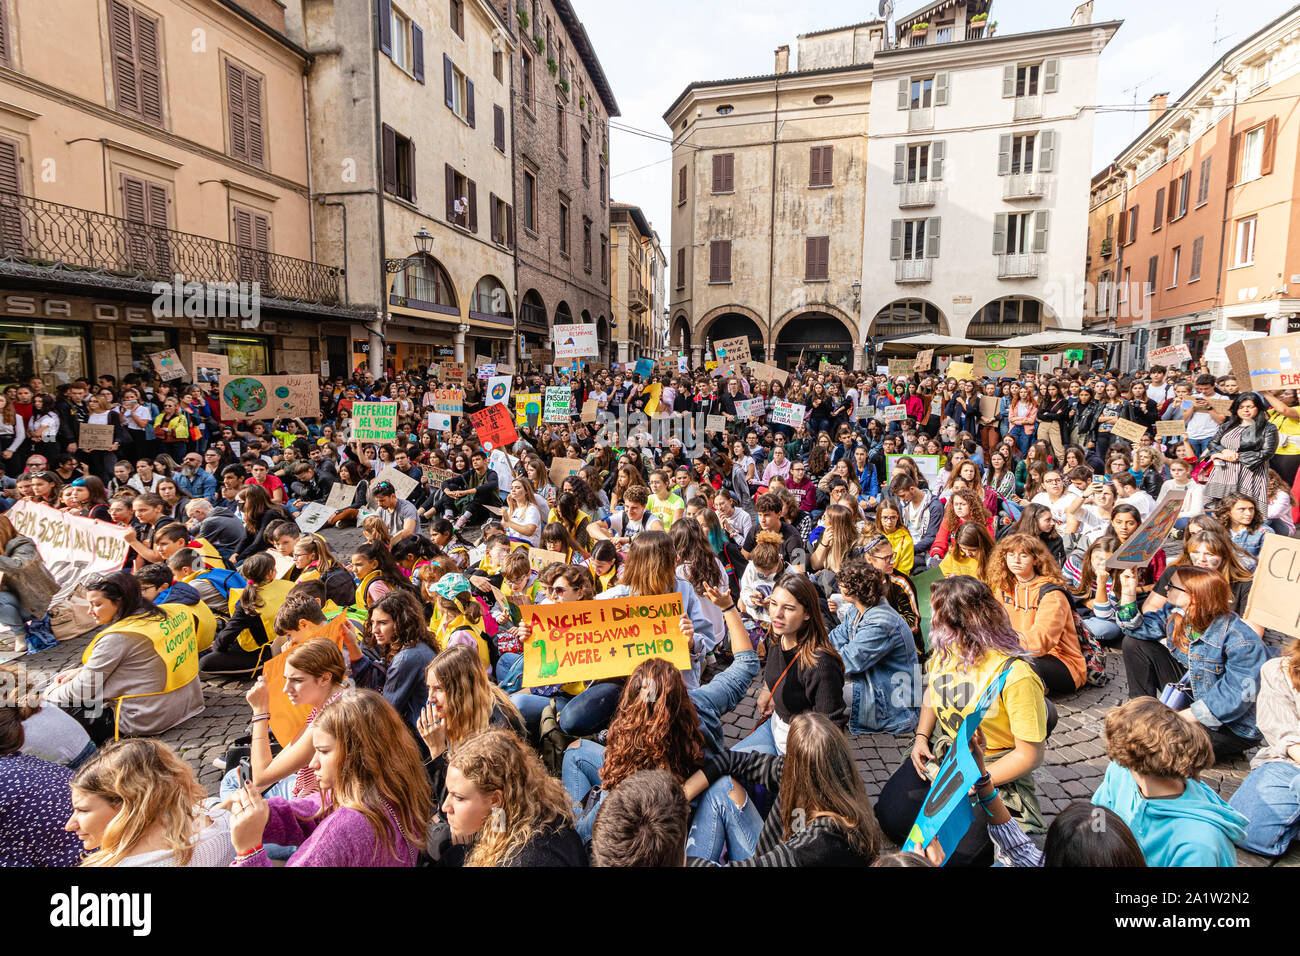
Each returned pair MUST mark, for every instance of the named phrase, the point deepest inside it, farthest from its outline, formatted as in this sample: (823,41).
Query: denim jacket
(721,695)
(880,662)
(1222,666)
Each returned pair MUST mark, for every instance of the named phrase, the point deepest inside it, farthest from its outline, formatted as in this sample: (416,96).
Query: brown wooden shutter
(726,261)
(10,166)
(390,158)
(417,50)
(1234,154)
(810,256)
(718,163)
(681,268)
(243,228)
(681,185)
(155,198)
(261,233)
(1123,227)
(1270,147)
(828,165)
(410,145)
(448,82)
(11,217)
(4,34)
(451,193)
(715,261)
(253,119)
(126,90)
(386,26)
(133,202)
(469,102)
(731,172)
(1173,201)
(1160,208)
(499,128)
(149,65)
(510,225)
(235,111)
(492,215)
(473,206)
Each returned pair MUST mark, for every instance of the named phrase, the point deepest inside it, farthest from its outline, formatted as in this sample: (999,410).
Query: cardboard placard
(403,484)
(997,363)
(451,371)
(498,390)
(209,367)
(961,371)
(590,640)
(539,558)
(1052,432)
(1150,536)
(541,357)
(95,437)
(1216,350)
(374,421)
(1221,405)
(989,406)
(924,359)
(494,427)
(1268,364)
(528,408)
(590,409)
(715,423)
(927,465)
(901,367)
(246,397)
(562,468)
(341,496)
(787,413)
(449,401)
(574,341)
(1171,429)
(734,349)
(436,477)
(168,365)
(892,413)
(313,517)
(1127,430)
(747,408)
(559,405)
(439,422)
(1272,602)
(1170,355)
(763,373)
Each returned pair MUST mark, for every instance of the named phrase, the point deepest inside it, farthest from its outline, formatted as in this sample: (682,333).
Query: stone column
(460,343)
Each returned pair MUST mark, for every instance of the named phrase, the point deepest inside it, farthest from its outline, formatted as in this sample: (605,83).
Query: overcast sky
(650,51)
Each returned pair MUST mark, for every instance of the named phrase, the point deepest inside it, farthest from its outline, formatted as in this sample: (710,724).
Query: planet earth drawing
(245,395)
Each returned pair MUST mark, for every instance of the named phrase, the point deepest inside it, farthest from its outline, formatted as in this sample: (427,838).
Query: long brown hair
(651,565)
(656,726)
(379,767)
(256,502)
(975,537)
(811,640)
(470,697)
(1231,568)
(1209,597)
(978,513)
(820,780)
(1000,577)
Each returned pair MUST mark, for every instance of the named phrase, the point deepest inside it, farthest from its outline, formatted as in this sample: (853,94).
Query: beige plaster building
(638,264)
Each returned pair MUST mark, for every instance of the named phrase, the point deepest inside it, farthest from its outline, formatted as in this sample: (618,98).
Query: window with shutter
(417,52)
(720,261)
(1000,234)
(1270,146)
(144,207)
(499,128)
(1004,154)
(12,229)
(681,186)
(252,233)
(1123,226)
(904,94)
(1008,81)
(816,258)
(472,187)
(941,89)
(1133,224)
(149,66)
(1158,221)
(900,162)
(1171,212)
(724,169)
(1051,75)
(137,64)
(1040,230)
(244,114)
(938,150)
(1203,188)
(530,201)
(932,237)
(896,239)
(492,216)
(389,142)
(681,268)
(1197,248)
(386,26)
(1153,272)
(5,58)
(1046,150)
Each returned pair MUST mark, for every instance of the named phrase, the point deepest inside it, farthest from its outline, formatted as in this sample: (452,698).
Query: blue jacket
(1222,667)
(867,480)
(880,661)
(1196,829)
(721,695)
(202,485)
(404,685)
(839,451)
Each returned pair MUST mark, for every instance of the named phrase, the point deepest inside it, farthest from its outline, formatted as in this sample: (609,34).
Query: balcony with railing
(66,239)
(912,195)
(1022,265)
(1029,107)
(1107,245)
(997,331)
(913,270)
(920,118)
(1024,186)
(638,299)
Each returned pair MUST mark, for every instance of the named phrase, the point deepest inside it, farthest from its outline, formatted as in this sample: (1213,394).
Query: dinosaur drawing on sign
(549,668)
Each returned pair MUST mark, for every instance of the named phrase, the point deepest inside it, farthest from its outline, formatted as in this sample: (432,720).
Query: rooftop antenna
(1134,90)
(1218,37)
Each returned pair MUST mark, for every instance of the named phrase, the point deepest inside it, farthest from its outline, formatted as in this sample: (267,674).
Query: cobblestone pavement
(1074,765)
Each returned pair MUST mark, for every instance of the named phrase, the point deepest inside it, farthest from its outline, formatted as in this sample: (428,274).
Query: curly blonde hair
(531,800)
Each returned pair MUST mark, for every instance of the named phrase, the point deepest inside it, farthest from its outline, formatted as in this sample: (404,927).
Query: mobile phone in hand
(245,771)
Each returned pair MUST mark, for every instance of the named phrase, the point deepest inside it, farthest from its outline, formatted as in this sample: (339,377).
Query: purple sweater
(344,838)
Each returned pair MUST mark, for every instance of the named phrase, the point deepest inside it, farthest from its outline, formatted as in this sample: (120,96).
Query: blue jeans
(1199,445)
(760,741)
(580,716)
(1023,438)
(12,618)
(579,773)
(531,707)
(1270,799)
(719,823)
(1106,632)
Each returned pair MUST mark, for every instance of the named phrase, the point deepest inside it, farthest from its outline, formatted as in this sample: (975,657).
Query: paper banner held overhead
(645,367)
(1266,364)
(997,362)
(989,406)
(747,408)
(449,401)
(451,371)
(764,372)
(901,367)
(168,365)
(210,366)
(961,371)
(734,349)
(498,390)
(246,397)
(590,409)
(1170,355)
(715,423)
(562,468)
(893,413)
(574,341)
(528,408)
(787,413)
(559,405)
(439,422)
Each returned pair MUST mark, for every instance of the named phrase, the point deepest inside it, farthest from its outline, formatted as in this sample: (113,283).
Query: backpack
(1094,657)
(225,581)
(552,741)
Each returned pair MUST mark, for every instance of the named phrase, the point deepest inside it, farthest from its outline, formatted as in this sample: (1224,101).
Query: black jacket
(1258,442)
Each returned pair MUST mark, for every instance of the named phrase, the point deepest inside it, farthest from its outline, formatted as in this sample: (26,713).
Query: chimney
(1159,103)
(1082,15)
(783,59)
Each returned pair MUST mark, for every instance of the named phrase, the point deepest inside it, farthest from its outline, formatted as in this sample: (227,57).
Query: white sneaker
(219,763)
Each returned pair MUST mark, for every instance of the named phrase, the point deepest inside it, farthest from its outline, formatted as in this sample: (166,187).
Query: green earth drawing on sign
(996,361)
(246,395)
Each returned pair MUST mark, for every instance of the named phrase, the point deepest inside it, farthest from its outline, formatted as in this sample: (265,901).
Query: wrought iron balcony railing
(47,234)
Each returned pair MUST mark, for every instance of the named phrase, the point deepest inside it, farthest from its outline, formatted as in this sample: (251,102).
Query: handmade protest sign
(439,422)
(451,371)
(449,401)
(989,406)
(923,582)
(1170,355)
(269,396)
(995,363)
(1052,432)
(734,349)
(559,405)
(341,496)
(72,548)
(1216,350)
(209,367)
(1272,602)
(403,484)
(901,366)
(1127,430)
(590,409)
(1221,405)
(437,477)
(927,465)
(542,357)
(645,367)
(1171,429)
(168,365)
(288,719)
(528,408)
(787,413)
(562,468)
(683,364)
(924,359)
(539,558)
(486,370)
(95,437)
(574,341)
(590,640)
(313,517)
(374,421)
(1266,364)
(892,413)
(498,390)
(763,373)
(946,814)
(494,427)
(1149,538)
(715,423)
(961,371)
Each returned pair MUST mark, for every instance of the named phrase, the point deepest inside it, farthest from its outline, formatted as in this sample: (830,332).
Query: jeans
(282,788)
(719,823)
(1106,632)
(1270,799)
(1199,445)
(760,741)
(1023,438)
(13,621)
(579,774)
(591,711)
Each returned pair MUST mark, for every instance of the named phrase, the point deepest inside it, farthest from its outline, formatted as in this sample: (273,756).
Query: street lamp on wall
(423,243)
(857,293)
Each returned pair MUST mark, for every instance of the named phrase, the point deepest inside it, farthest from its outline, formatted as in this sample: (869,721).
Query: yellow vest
(364,586)
(461,623)
(211,556)
(272,595)
(175,640)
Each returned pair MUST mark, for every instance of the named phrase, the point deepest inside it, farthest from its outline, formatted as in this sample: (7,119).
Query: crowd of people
(879,572)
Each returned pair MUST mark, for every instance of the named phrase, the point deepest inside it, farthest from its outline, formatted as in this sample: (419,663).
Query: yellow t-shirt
(1020,713)
(1288,434)
(664,509)
(900,539)
(951,565)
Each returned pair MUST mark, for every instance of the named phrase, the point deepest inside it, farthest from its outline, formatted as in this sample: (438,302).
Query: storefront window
(57,353)
(247,355)
(145,342)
